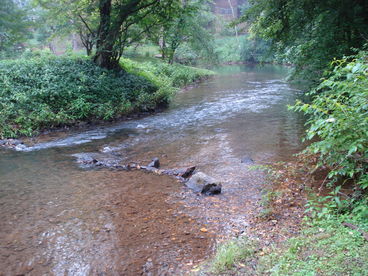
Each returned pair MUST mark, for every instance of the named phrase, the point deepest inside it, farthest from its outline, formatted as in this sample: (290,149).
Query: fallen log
(199,183)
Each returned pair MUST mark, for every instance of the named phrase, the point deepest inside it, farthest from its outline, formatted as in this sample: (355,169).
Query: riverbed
(60,218)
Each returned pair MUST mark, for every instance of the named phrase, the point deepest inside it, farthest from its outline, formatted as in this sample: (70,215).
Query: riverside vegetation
(48,92)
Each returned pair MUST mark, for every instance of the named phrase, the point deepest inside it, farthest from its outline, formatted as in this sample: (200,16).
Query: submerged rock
(13,144)
(97,160)
(202,183)
(10,142)
(155,163)
(247,160)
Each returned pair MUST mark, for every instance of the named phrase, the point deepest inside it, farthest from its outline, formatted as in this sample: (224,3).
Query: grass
(324,248)
(232,253)
(164,74)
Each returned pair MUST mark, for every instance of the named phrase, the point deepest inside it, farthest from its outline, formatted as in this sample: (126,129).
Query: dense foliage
(48,92)
(310,33)
(338,117)
(190,26)
(13,27)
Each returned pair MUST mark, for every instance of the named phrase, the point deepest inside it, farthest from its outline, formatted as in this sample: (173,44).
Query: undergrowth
(325,247)
(46,92)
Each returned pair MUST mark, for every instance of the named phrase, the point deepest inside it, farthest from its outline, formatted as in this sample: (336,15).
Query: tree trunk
(104,56)
(89,50)
(108,50)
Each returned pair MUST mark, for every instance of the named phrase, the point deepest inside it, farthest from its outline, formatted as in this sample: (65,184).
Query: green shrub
(44,91)
(338,117)
(47,92)
(243,49)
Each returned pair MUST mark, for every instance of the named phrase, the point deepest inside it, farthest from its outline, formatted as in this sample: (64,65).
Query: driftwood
(354,227)
(181,174)
(200,182)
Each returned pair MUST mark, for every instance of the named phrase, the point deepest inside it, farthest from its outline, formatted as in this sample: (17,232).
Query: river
(60,218)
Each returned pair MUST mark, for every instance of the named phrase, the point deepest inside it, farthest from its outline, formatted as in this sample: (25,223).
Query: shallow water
(61,219)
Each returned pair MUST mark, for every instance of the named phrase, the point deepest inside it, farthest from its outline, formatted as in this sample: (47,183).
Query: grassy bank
(48,92)
(324,247)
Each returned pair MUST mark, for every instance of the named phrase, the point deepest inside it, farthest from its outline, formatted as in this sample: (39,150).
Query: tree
(14,25)
(117,18)
(309,33)
(189,26)
(71,17)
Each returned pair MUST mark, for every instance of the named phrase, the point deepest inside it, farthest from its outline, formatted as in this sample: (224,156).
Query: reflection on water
(60,219)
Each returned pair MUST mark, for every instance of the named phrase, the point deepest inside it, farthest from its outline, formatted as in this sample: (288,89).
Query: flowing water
(58,218)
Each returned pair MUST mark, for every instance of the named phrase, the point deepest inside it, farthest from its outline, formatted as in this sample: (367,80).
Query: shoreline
(67,129)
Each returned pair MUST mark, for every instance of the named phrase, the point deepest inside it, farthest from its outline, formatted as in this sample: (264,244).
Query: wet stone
(247,160)
(97,160)
(11,143)
(202,183)
(188,172)
(155,163)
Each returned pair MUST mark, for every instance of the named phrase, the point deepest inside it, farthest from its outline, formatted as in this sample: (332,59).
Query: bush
(338,117)
(45,92)
(243,49)
(48,92)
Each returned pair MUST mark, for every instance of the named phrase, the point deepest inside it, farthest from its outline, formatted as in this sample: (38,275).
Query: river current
(58,218)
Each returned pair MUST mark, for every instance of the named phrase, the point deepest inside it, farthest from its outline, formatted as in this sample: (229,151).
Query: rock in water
(155,163)
(188,172)
(247,160)
(202,183)
(212,189)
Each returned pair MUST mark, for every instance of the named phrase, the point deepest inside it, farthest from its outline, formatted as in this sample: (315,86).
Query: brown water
(57,218)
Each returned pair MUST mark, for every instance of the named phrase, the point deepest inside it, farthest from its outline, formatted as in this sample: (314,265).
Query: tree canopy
(13,25)
(310,33)
(116,19)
